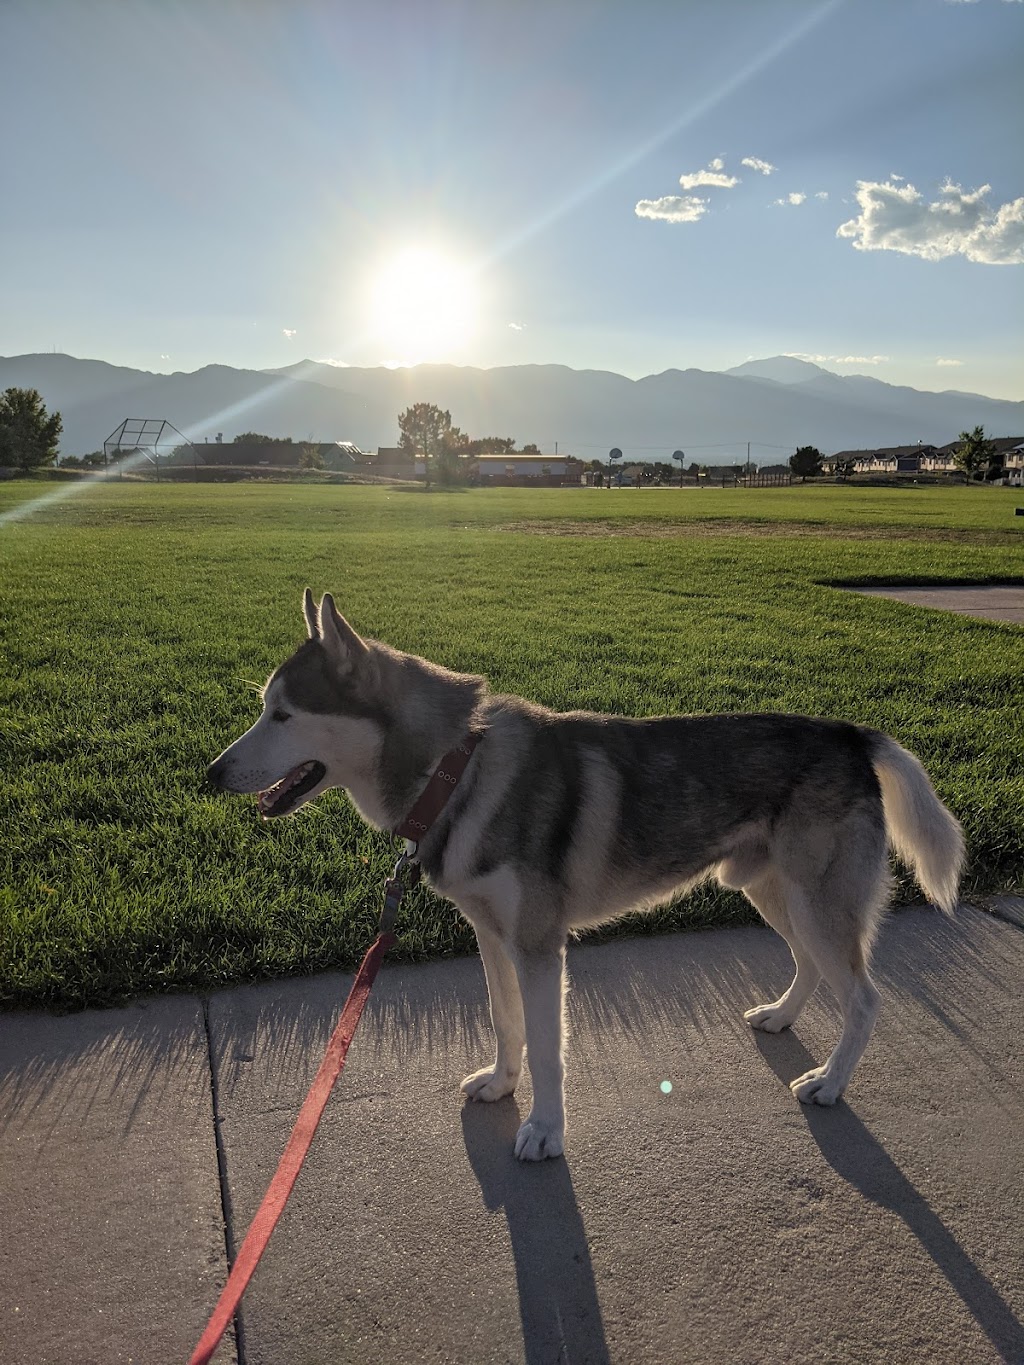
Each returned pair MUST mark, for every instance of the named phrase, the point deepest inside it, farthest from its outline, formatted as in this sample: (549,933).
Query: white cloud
(329,360)
(289,332)
(756,164)
(896,218)
(821,194)
(713,177)
(838,359)
(517,326)
(673,208)
(941,360)
(792,199)
(164,355)
(688,208)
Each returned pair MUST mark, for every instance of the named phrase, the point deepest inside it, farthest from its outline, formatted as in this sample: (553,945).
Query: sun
(422,305)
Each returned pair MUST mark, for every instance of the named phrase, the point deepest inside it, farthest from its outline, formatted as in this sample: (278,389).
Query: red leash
(274,1200)
(431,802)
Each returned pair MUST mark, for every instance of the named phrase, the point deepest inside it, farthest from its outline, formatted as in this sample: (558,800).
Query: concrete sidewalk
(719,1222)
(989,602)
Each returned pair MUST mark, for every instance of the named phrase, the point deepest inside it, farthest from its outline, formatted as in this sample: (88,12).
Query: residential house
(927,459)
(1009,448)
(914,459)
(1013,461)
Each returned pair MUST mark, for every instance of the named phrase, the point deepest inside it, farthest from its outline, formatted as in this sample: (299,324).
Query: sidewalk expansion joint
(227,1212)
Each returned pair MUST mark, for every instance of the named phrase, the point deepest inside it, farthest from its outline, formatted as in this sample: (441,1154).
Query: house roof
(887,452)
(1002,444)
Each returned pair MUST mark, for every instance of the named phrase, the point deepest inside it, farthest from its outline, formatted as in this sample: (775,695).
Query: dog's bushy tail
(920,828)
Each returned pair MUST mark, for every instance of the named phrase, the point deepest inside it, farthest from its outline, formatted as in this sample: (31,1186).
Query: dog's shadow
(558,1306)
(856,1155)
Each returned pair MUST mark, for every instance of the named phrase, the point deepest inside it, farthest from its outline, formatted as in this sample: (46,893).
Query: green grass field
(134,619)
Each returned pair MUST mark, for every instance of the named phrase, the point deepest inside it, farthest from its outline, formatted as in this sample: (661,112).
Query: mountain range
(776,404)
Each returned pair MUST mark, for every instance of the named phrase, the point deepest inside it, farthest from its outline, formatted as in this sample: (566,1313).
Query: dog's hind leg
(838,936)
(494,1082)
(767,897)
(542,986)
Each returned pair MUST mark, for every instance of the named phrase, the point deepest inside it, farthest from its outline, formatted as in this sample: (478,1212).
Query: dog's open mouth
(285,795)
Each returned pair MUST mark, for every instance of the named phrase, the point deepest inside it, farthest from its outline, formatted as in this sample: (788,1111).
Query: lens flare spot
(666,1087)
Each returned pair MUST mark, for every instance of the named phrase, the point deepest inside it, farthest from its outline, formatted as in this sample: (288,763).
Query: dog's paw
(536,1140)
(816,1087)
(489,1084)
(768,1018)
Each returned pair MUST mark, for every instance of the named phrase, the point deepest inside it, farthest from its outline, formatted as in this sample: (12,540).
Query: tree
(490,445)
(255,438)
(311,457)
(531,449)
(806,462)
(427,430)
(28,435)
(974,453)
(452,452)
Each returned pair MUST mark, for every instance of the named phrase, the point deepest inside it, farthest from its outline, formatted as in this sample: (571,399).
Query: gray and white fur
(567,820)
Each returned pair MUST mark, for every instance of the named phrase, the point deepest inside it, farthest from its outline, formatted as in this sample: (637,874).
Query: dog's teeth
(266,800)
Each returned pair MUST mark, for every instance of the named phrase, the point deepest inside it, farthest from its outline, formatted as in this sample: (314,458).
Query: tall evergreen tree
(28,434)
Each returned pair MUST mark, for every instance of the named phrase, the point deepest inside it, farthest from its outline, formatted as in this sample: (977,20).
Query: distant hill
(776,404)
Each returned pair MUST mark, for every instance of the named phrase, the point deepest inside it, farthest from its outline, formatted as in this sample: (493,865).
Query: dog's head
(322,724)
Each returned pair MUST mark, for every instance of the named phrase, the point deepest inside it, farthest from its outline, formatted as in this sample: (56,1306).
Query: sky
(632,186)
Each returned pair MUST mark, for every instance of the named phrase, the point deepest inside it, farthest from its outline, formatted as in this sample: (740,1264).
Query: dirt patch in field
(674,530)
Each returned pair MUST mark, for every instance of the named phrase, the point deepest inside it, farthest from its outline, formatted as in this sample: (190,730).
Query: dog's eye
(280,715)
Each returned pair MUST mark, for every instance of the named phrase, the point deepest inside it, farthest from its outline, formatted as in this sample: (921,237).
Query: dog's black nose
(215,774)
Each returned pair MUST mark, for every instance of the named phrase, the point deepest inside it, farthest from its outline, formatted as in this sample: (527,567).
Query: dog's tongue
(275,799)
(265,800)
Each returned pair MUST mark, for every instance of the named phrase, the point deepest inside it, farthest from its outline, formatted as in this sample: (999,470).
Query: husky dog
(564,821)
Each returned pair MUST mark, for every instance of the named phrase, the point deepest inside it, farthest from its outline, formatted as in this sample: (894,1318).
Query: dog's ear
(338,637)
(311,614)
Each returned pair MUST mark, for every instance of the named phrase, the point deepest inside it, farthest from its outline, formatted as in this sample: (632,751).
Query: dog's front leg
(493,1082)
(541,985)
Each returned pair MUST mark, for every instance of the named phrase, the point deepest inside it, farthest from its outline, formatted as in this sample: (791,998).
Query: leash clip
(406,873)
